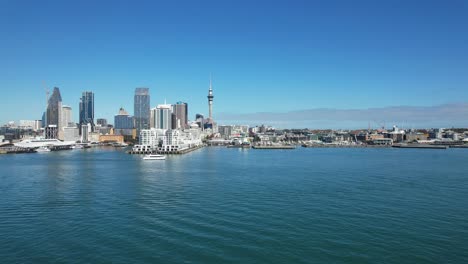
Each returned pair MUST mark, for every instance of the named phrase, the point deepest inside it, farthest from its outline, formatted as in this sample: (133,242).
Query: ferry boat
(51,144)
(154,157)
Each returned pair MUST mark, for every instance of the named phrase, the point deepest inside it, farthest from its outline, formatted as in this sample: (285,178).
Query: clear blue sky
(265,56)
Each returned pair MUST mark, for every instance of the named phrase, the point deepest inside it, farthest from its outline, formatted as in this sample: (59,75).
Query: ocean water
(219,205)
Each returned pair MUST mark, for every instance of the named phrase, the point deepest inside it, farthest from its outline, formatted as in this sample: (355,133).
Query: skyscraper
(53,114)
(54,108)
(142,109)
(163,116)
(66,118)
(87,110)
(179,115)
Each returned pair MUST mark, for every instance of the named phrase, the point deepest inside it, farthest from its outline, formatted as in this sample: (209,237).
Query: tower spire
(210,99)
(211,86)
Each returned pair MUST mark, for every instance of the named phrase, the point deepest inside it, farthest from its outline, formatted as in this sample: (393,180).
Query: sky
(272,57)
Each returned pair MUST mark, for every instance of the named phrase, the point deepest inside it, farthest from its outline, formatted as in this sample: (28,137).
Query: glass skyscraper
(87,109)
(54,108)
(53,114)
(142,109)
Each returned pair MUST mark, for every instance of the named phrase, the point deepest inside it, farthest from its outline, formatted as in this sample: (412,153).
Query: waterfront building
(85,132)
(52,132)
(27,124)
(111,139)
(225,131)
(152,137)
(87,110)
(142,108)
(37,125)
(179,115)
(163,116)
(71,134)
(171,139)
(397,135)
(381,141)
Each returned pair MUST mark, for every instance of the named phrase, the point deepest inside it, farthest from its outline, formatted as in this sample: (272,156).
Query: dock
(15,150)
(344,146)
(274,147)
(421,146)
(458,146)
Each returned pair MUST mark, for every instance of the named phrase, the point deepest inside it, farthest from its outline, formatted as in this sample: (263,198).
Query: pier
(274,147)
(169,152)
(344,146)
(15,150)
(420,146)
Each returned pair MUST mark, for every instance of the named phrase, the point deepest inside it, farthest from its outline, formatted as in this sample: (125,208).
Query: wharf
(15,150)
(344,146)
(459,146)
(420,146)
(239,146)
(175,152)
(274,147)
(178,152)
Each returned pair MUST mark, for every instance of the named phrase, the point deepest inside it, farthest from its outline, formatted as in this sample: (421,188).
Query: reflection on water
(218,205)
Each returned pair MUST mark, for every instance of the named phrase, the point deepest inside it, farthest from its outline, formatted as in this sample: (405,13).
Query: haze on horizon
(281,62)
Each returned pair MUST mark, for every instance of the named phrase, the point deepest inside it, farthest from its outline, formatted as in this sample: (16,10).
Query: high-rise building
(142,109)
(179,115)
(200,120)
(54,108)
(87,110)
(53,114)
(66,119)
(102,122)
(123,120)
(163,116)
(43,120)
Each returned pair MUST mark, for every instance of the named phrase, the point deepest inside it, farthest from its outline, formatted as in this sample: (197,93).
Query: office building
(163,116)
(87,110)
(102,122)
(123,120)
(142,108)
(179,115)
(66,118)
(53,114)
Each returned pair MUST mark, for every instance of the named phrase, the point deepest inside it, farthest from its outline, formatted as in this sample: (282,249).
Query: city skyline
(285,57)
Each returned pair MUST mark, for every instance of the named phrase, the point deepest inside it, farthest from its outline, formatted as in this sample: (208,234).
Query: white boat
(43,149)
(154,157)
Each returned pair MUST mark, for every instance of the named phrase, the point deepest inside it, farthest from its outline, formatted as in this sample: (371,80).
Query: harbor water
(221,205)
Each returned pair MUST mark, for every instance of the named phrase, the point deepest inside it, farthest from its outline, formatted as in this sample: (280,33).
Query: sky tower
(210,101)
